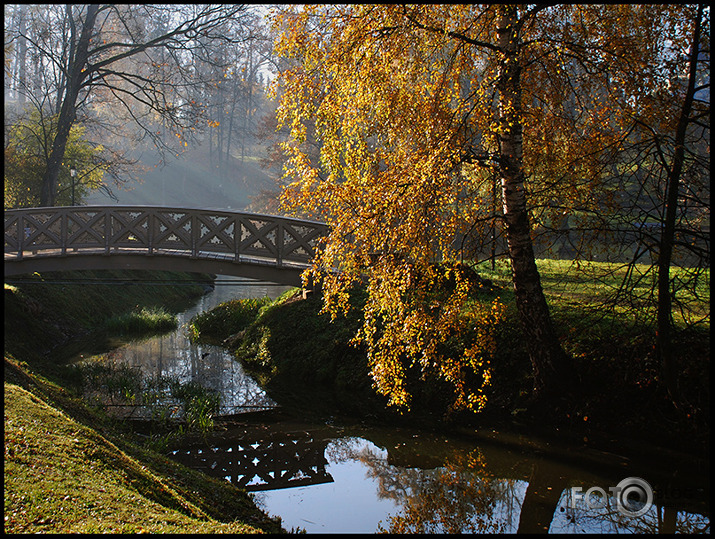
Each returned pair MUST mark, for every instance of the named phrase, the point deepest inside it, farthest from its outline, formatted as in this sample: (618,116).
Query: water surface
(339,478)
(335,477)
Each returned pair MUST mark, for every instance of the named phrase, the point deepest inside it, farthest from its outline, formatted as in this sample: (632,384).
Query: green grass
(575,285)
(61,476)
(226,319)
(147,320)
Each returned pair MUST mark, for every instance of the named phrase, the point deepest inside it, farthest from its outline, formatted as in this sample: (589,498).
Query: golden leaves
(425,319)
(378,111)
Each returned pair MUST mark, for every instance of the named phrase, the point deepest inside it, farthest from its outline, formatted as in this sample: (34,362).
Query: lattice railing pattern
(263,464)
(193,232)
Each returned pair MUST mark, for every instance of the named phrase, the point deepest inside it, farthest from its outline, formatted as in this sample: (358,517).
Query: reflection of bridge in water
(262,460)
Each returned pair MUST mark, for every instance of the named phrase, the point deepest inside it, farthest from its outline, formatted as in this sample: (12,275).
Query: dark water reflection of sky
(369,479)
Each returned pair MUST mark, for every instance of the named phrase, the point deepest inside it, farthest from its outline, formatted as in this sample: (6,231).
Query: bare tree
(92,64)
(688,115)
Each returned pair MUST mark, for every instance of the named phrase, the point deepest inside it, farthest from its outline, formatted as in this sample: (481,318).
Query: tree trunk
(551,367)
(541,500)
(68,111)
(22,59)
(663,332)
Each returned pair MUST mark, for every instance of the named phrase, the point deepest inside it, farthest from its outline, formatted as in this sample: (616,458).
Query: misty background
(189,123)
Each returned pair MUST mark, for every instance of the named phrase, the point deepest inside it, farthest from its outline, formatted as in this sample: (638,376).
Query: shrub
(226,319)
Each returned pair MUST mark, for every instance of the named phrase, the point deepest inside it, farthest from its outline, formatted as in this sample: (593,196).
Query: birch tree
(416,108)
(403,98)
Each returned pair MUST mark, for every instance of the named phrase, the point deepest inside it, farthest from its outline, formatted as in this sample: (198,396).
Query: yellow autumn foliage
(395,139)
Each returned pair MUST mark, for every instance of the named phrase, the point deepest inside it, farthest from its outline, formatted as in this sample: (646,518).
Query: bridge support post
(64,233)
(279,245)
(150,225)
(107,232)
(310,287)
(21,235)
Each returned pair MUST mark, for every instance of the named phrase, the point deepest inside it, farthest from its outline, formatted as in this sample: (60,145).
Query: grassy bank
(220,322)
(62,476)
(305,361)
(68,468)
(52,310)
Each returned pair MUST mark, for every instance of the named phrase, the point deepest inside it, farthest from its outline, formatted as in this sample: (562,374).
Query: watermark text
(633,496)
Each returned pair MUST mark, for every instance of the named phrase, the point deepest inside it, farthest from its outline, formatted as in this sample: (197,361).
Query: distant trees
(236,95)
(27,145)
(438,121)
(130,72)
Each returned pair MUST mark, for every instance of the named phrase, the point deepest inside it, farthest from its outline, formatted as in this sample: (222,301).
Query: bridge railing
(264,461)
(62,231)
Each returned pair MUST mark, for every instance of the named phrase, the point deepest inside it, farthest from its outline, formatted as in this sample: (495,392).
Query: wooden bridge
(264,247)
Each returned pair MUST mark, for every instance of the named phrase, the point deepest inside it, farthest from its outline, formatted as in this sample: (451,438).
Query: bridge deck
(182,239)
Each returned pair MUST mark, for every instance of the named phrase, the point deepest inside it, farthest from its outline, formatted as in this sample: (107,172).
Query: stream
(338,476)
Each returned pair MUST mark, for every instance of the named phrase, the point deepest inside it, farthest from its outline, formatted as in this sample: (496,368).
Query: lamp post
(73,173)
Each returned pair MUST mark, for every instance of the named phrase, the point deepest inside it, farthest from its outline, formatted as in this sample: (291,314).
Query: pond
(335,476)
(351,478)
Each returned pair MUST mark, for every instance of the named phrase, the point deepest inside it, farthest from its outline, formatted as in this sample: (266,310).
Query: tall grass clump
(147,320)
(200,405)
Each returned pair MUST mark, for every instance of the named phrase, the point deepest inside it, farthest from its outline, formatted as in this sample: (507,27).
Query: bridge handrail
(195,232)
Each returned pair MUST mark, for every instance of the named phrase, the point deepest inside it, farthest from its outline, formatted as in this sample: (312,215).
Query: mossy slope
(61,476)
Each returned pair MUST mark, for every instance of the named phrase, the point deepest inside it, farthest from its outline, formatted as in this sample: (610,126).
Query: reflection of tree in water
(459,497)
(342,449)
(464,496)
(608,519)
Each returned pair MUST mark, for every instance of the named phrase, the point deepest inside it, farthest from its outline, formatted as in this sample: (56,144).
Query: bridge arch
(241,244)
